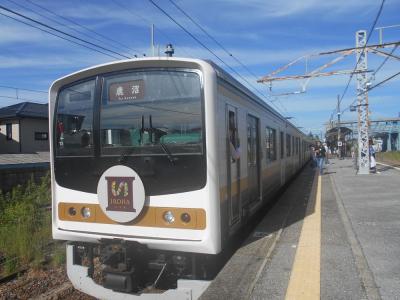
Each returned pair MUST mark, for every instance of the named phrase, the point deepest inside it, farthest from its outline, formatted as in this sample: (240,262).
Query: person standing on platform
(326,154)
(320,154)
(314,162)
(372,157)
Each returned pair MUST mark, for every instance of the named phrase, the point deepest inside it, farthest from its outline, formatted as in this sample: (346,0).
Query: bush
(25,226)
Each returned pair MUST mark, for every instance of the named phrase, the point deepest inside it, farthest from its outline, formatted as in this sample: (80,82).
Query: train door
(233,164)
(282,156)
(253,159)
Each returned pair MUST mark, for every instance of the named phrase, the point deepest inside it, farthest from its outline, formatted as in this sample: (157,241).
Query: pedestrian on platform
(313,157)
(372,160)
(320,154)
(326,154)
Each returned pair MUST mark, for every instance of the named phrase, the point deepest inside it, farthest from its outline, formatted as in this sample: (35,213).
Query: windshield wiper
(169,155)
(158,133)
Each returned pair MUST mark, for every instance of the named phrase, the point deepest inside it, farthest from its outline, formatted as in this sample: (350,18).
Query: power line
(59,36)
(205,47)
(51,19)
(373,87)
(363,50)
(22,89)
(222,47)
(385,60)
(62,32)
(380,83)
(212,38)
(84,27)
(18,98)
(135,14)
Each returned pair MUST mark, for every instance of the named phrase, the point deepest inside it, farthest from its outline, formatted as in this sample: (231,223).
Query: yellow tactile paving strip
(304,280)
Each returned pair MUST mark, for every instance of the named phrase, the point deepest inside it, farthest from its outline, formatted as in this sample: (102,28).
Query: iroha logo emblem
(120,196)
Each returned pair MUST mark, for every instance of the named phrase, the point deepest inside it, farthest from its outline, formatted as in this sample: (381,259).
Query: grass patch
(25,226)
(393,156)
(59,255)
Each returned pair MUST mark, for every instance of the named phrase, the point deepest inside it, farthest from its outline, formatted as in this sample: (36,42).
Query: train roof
(221,73)
(234,82)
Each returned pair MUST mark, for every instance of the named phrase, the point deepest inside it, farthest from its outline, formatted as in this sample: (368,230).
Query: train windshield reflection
(146,113)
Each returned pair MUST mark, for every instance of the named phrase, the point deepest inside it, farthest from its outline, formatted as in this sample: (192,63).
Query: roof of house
(25,110)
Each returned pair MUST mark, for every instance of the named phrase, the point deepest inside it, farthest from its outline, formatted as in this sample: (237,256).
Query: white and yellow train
(155,164)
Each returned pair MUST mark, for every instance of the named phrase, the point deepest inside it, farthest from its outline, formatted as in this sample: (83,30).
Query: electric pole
(152,40)
(362,98)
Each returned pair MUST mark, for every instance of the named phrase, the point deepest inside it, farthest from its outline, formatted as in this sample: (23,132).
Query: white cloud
(12,33)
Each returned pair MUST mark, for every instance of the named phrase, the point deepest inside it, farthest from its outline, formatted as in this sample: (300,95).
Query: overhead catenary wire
(212,38)
(137,15)
(106,38)
(207,48)
(59,36)
(384,61)
(22,89)
(373,87)
(221,46)
(362,52)
(62,32)
(19,98)
(57,22)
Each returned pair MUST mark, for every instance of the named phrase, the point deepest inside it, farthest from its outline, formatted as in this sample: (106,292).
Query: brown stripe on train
(150,216)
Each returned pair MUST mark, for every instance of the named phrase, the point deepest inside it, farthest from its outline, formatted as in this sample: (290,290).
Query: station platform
(335,236)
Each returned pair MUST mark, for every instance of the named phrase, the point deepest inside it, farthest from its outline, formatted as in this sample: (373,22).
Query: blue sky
(263,35)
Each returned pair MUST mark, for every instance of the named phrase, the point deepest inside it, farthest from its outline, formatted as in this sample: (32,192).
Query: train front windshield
(151,121)
(151,113)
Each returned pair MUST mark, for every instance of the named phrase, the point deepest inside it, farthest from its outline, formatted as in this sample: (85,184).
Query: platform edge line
(268,255)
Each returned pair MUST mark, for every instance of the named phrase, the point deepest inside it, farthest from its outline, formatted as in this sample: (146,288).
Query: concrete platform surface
(351,225)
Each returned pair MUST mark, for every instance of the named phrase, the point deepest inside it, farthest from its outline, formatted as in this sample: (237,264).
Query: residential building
(24,128)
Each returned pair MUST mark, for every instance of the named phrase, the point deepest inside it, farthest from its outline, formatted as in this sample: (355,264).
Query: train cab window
(151,113)
(74,120)
(288,145)
(270,140)
(282,145)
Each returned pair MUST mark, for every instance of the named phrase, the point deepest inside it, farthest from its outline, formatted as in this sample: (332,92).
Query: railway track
(41,284)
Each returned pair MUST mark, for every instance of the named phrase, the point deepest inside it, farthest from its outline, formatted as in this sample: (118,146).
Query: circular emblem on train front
(121,194)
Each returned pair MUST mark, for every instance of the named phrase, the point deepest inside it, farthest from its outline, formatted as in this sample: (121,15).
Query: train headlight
(85,211)
(72,211)
(185,217)
(169,217)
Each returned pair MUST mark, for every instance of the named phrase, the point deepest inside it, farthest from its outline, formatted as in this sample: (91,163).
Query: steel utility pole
(362,97)
(339,145)
(152,40)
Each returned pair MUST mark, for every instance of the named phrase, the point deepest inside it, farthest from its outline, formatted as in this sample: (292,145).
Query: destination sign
(128,90)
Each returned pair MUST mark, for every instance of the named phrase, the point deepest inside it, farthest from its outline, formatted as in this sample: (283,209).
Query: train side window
(270,139)
(233,136)
(274,146)
(232,129)
(282,145)
(293,145)
(298,145)
(288,145)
